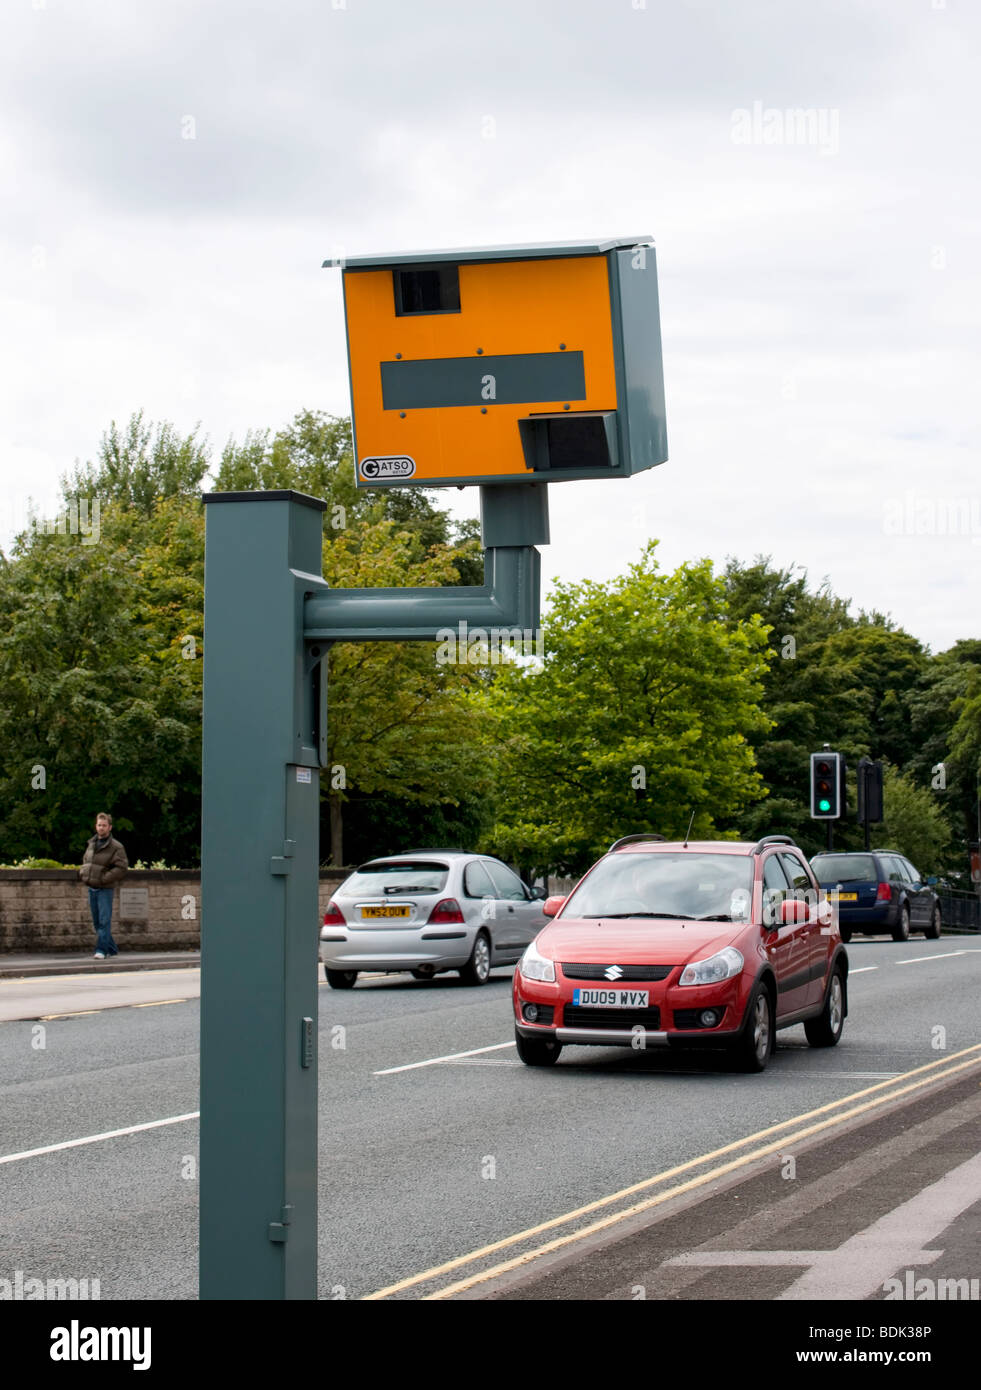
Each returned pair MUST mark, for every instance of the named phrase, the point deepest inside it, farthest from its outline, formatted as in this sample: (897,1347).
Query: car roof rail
(774,840)
(635,839)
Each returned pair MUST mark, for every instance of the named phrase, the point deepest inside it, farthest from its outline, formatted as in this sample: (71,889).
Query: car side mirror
(793,910)
(932,880)
(553,906)
(539,894)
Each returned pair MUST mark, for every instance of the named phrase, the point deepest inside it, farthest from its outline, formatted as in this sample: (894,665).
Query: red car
(713,944)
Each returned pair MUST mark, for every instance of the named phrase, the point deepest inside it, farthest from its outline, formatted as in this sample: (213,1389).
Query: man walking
(104,864)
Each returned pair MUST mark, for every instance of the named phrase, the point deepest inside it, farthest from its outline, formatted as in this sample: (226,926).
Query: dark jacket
(101,868)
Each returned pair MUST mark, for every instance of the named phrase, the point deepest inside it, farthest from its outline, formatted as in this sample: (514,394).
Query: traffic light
(869,791)
(826,786)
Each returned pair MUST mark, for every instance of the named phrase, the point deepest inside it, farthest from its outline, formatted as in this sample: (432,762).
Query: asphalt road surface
(435,1141)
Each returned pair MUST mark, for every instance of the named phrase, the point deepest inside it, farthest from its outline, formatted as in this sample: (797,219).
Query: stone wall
(153,910)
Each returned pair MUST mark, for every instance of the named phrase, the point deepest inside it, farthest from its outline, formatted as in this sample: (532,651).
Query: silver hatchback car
(428,912)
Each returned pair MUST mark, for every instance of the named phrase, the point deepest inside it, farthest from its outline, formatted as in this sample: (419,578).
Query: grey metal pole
(269,620)
(264,739)
(514,519)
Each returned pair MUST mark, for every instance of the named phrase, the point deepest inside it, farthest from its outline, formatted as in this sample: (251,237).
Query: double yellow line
(861,1102)
(81,1013)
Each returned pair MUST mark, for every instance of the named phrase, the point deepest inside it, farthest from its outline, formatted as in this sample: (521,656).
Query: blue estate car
(878,891)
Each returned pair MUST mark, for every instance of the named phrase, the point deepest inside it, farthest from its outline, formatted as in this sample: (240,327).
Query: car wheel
(537,1052)
(755,1045)
(825,1030)
(341,979)
(424,972)
(845,933)
(478,968)
(900,932)
(936,923)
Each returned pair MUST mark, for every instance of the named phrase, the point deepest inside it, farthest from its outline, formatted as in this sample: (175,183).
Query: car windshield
(386,880)
(692,886)
(844,868)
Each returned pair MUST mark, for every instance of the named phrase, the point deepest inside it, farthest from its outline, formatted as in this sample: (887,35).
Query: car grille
(581,971)
(575,1016)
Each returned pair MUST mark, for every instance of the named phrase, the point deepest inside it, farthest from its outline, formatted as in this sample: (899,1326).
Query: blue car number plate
(612,998)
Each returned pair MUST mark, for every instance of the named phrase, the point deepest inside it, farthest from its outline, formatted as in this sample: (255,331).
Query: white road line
(861,970)
(97,1138)
(915,960)
(434,1061)
(858,1267)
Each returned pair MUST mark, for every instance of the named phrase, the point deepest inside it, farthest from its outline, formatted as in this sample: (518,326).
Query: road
(435,1140)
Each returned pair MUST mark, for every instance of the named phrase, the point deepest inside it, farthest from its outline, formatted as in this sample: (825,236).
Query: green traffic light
(824,805)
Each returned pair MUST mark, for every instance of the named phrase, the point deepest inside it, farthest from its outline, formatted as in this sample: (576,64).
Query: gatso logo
(389,466)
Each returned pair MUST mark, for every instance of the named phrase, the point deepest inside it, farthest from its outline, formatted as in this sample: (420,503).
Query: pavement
(22,964)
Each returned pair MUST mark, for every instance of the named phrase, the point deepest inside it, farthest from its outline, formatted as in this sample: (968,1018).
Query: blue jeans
(100,902)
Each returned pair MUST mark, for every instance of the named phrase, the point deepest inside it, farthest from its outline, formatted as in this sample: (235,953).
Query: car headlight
(722,966)
(534,966)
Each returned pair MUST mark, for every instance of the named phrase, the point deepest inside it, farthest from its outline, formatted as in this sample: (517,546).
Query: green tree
(881,666)
(639,717)
(137,466)
(99,647)
(101,639)
(944,713)
(313,455)
(965,752)
(400,725)
(394,825)
(913,822)
(834,679)
(396,721)
(800,694)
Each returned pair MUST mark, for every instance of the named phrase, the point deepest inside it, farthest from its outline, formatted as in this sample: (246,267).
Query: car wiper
(715,917)
(679,915)
(410,888)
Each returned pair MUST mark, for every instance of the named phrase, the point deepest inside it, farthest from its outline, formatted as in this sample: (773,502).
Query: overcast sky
(174,174)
